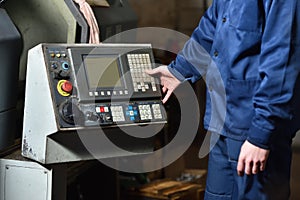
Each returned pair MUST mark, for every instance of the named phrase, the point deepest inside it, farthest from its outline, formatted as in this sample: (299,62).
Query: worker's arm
(278,74)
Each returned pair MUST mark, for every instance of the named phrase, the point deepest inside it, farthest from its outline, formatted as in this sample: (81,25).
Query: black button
(54,65)
(216,53)
(224,19)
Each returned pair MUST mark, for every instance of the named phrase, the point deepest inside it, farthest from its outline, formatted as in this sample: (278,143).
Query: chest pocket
(246,15)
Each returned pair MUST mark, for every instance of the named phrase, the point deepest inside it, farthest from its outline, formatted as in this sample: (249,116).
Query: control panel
(90,101)
(103,85)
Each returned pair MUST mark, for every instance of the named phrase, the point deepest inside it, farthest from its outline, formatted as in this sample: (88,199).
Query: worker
(255,47)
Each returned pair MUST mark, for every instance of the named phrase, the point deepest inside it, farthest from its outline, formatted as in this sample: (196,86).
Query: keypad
(145,112)
(156,111)
(138,63)
(117,113)
(129,113)
(132,113)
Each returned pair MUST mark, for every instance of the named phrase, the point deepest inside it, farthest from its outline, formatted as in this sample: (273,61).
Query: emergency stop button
(64,88)
(67,86)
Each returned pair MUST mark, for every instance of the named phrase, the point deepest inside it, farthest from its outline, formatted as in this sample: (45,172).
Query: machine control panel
(123,113)
(103,84)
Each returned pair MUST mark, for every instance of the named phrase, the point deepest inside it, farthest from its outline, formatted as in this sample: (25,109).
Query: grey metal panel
(32,186)
(92,144)
(21,180)
(39,116)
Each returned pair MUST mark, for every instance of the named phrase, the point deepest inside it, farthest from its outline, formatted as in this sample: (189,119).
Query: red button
(67,86)
(102,109)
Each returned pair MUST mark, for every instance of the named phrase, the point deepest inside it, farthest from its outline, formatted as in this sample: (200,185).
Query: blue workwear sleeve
(278,75)
(192,61)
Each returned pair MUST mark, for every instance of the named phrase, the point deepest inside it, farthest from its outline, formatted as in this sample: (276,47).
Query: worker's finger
(248,168)
(256,168)
(262,166)
(164,89)
(167,96)
(241,167)
(153,72)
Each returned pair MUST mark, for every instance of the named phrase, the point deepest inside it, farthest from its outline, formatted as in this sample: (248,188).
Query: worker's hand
(252,159)
(167,80)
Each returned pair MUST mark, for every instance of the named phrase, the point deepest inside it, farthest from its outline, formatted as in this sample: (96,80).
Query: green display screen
(102,71)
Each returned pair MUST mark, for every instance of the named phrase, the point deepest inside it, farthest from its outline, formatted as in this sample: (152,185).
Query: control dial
(71,113)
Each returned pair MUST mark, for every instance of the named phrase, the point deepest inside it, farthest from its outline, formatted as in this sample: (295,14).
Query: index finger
(167,96)
(152,71)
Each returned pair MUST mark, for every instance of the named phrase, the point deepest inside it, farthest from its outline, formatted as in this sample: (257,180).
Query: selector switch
(92,116)
(65,66)
(71,113)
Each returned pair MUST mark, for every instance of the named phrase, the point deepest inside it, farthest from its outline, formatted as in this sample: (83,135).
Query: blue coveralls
(255,46)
